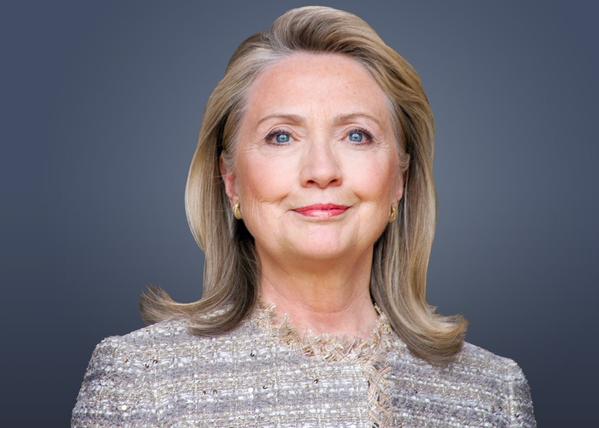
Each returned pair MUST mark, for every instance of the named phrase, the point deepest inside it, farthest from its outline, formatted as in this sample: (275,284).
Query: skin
(316,269)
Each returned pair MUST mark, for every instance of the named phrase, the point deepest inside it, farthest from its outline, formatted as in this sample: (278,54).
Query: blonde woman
(311,193)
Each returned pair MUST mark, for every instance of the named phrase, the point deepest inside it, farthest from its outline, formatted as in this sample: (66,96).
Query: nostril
(323,182)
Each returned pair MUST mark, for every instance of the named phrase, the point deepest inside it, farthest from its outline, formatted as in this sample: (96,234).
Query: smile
(322,210)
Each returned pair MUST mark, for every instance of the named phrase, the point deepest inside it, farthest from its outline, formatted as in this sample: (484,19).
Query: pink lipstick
(322,210)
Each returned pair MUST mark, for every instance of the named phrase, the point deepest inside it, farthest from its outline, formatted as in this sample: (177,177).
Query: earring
(237,211)
(393,214)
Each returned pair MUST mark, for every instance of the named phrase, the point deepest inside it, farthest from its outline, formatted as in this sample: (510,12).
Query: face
(316,163)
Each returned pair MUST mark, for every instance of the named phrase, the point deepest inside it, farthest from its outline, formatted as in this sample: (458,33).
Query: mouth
(322,210)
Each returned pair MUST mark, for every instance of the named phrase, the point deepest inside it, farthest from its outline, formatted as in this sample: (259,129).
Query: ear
(229,180)
(399,187)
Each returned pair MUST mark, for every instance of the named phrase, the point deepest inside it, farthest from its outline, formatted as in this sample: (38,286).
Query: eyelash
(276,132)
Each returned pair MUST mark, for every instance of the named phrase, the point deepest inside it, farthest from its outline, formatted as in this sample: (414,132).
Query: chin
(323,250)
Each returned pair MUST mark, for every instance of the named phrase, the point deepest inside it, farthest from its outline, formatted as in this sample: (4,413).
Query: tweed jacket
(265,374)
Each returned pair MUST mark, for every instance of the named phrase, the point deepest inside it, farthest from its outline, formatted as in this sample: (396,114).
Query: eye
(360,136)
(357,136)
(279,136)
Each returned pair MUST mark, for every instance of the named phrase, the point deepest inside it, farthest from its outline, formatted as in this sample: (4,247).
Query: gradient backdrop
(101,108)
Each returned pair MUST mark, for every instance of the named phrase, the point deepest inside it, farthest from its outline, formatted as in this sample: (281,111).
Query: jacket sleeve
(115,390)
(519,401)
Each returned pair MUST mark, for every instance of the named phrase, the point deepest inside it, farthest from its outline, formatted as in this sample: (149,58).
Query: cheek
(373,180)
(263,180)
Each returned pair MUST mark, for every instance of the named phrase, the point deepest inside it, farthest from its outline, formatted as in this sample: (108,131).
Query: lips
(322,210)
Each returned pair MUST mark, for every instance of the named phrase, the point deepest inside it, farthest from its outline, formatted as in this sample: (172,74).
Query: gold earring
(393,214)
(237,211)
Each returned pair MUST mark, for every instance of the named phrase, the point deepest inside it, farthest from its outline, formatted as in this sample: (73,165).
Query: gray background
(101,108)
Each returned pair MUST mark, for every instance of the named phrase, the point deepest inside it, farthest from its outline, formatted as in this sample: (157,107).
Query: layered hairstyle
(401,254)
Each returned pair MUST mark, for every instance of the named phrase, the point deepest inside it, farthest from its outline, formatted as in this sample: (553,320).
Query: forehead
(315,84)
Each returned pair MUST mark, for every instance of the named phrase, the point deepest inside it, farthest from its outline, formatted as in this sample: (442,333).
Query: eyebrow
(340,118)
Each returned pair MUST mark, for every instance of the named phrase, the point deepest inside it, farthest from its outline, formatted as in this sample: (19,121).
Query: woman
(311,193)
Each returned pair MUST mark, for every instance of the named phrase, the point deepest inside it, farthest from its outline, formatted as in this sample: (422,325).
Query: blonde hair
(401,255)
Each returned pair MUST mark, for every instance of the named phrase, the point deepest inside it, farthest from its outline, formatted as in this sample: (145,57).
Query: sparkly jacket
(264,373)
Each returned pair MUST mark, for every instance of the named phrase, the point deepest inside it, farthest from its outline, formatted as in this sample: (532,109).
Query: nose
(320,166)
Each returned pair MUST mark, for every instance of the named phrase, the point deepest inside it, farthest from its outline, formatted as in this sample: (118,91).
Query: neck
(335,300)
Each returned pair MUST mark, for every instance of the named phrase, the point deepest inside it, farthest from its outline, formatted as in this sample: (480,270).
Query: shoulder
(473,362)
(137,342)
(143,340)
(149,347)
(144,347)
(503,375)
(156,337)
(483,361)
(120,378)
(489,386)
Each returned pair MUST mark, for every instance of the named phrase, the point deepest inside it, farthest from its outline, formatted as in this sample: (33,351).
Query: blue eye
(357,136)
(360,136)
(280,137)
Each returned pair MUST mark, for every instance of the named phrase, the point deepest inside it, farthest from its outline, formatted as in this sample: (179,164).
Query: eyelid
(276,131)
(369,135)
(273,134)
